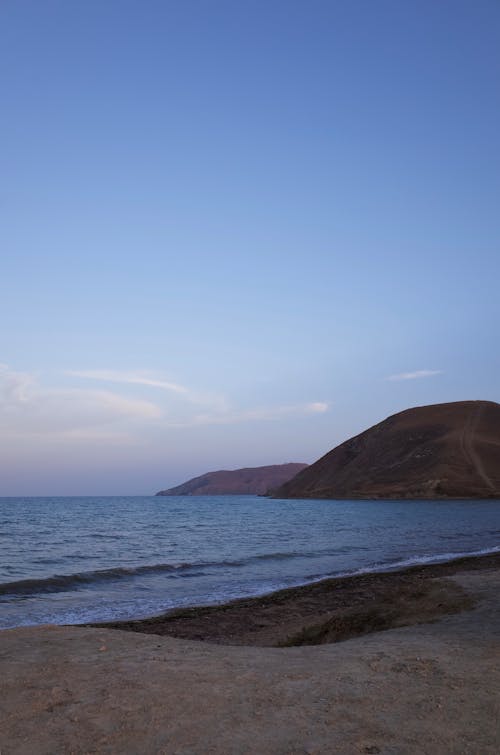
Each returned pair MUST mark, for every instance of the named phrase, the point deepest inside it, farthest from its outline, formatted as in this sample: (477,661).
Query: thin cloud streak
(417,375)
(217,410)
(134,378)
(28,409)
(208,400)
(258,414)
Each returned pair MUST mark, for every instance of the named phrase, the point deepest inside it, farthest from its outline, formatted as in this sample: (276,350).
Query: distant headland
(247,481)
(447,450)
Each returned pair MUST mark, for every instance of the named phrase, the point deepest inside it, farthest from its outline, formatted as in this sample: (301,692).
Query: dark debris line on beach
(324,612)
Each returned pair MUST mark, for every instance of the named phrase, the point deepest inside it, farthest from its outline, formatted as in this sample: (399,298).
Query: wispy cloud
(211,401)
(215,409)
(317,407)
(29,409)
(415,375)
(14,386)
(268,413)
(134,378)
(275,412)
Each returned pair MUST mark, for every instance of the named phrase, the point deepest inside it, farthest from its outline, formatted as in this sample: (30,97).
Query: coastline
(325,611)
(87,571)
(432,687)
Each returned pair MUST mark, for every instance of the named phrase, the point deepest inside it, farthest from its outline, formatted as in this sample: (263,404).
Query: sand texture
(427,688)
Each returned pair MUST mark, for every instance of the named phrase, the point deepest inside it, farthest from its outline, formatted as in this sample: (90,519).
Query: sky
(238,233)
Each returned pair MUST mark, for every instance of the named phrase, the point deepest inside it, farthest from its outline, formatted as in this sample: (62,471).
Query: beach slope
(432,687)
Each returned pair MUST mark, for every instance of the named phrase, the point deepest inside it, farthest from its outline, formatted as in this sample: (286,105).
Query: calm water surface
(68,560)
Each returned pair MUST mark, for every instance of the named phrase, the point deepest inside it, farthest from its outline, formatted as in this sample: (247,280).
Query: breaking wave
(64,582)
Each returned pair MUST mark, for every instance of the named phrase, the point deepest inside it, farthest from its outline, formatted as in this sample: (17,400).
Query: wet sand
(324,612)
(429,687)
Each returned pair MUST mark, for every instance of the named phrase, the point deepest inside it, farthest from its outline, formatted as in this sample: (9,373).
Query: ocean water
(73,560)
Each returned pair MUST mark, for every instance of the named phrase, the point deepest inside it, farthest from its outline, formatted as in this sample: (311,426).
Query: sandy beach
(429,684)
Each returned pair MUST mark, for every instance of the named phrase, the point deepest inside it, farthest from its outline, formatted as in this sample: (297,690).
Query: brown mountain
(440,451)
(248,481)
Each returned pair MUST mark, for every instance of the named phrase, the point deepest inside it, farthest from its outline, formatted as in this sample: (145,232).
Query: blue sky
(236,233)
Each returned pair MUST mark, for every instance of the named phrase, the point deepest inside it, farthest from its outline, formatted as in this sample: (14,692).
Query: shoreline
(433,687)
(325,611)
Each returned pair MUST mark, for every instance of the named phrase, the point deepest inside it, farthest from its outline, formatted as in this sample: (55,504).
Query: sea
(77,560)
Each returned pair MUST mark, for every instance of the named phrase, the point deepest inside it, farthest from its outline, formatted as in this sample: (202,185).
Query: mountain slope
(439,451)
(251,481)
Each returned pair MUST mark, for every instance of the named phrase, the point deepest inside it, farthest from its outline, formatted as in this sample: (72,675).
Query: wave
(61,582)
(64,582)
(396,564)
(69,582)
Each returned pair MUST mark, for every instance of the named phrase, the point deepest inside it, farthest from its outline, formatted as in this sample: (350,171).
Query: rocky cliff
(440,451)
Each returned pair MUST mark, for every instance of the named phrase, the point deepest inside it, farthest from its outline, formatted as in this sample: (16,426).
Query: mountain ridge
(244,481)
(449,450)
